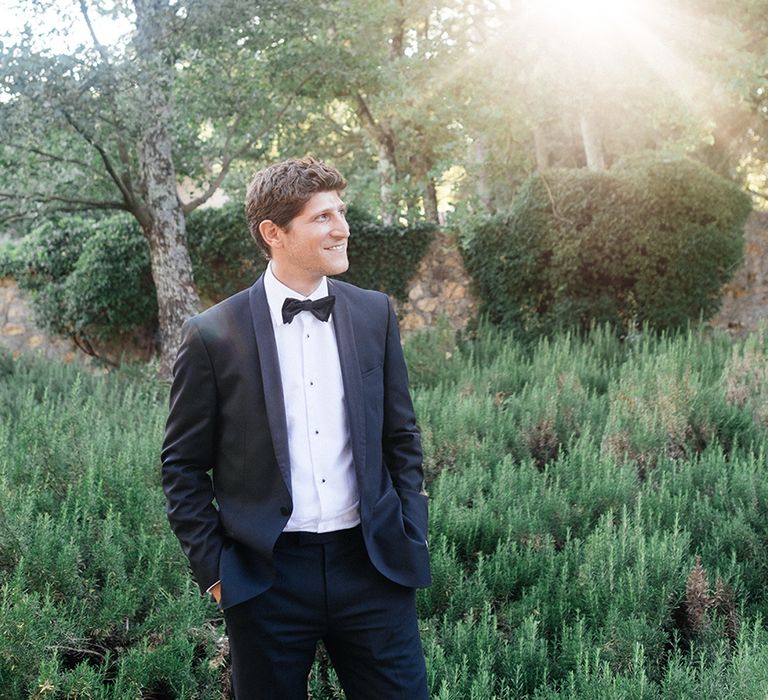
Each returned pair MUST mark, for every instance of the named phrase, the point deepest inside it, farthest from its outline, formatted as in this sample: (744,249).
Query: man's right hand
(216,592)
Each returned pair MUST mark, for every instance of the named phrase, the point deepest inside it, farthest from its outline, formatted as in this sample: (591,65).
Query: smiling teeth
(337,247)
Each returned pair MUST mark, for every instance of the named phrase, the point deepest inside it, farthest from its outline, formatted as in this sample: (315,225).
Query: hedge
(91,278)
(651,240)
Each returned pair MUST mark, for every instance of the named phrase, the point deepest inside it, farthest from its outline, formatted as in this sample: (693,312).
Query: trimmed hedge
(91,278)
(649,241)
(224,257)
(385,257)
(87,277)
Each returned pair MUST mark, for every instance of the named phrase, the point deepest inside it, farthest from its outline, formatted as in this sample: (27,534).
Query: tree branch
(381,133)
(398,35)
(99,46)
(85,345)
(243,150)
(125,181)
(51,156)
(757,194)
(367,117)
(12,218)
(127,194)
(44,197)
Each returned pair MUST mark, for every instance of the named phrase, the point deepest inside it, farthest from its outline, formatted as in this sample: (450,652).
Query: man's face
(313,244)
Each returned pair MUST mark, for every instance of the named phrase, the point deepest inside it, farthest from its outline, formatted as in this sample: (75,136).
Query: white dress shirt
(323,482)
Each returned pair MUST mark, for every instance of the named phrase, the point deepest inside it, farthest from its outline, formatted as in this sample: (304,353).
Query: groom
(293,395)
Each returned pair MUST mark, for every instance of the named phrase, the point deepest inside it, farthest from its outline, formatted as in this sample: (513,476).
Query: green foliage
(226,260)
(649,241)
(110,290)
(88,278)
(572,483)
(8,260)
(93,604)
(599,520)
(91,278)
(224,257)
(385,257)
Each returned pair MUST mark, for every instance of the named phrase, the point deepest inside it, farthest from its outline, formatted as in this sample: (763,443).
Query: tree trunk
(590,137)
(479,157)
(163,220)
(430,201)
(386,168)
(541,148)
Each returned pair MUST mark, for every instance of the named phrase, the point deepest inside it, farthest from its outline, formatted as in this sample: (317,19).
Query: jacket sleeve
(188,455)
(401,439)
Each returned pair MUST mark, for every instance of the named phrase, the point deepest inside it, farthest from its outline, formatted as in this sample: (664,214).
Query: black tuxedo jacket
(227,416)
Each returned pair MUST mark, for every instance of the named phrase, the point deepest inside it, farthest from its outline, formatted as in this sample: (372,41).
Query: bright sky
(63,20)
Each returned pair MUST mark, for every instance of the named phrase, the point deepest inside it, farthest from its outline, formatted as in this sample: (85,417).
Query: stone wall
(745,297)
(18,331)
(440,289)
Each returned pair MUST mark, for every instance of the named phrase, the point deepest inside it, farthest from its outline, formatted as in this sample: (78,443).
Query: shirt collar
(277,293)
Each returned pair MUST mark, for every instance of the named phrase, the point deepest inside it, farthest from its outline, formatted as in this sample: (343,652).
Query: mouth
(337,248)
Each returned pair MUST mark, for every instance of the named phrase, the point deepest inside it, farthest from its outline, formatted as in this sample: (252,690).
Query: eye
(321,217)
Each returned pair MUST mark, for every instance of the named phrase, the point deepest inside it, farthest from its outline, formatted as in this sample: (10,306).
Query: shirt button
(317,432)
(311,384)
(323,480)
(283,510)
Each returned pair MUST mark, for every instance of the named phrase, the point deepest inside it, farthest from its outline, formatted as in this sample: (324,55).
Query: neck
(303,285)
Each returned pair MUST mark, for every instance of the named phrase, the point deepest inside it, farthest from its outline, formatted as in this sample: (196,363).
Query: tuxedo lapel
(270,377)
(351,377)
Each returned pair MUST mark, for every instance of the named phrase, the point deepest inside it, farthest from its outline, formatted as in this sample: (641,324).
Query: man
(294,395)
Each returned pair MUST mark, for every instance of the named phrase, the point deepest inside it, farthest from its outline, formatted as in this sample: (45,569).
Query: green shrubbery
(87,278)
(385,257)
(91,278)
(574,485)
(649,241)
(224,258)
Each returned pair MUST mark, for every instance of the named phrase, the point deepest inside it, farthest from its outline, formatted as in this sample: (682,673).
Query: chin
(339,269)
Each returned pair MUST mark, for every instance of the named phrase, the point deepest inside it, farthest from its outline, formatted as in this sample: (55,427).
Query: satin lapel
(270,377)
(351,377)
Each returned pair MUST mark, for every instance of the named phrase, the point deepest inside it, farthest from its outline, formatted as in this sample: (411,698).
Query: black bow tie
(320,308)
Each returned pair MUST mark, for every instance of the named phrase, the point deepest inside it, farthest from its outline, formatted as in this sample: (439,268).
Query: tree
(98,128)
(384,92)
(556,85)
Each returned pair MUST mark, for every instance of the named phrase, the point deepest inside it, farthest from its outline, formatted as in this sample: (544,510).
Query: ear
(271,233)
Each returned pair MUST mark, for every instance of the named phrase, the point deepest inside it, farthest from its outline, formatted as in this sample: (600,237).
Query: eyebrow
(327,210)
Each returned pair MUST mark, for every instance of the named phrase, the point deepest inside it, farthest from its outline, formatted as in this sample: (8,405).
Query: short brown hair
(280,191)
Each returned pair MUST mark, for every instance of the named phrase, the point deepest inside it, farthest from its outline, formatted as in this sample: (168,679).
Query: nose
(341,227)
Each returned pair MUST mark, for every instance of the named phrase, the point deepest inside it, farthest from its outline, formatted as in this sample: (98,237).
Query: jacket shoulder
(223,318)
(358,295)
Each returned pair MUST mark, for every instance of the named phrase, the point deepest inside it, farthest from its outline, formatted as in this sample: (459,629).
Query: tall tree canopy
(403,95)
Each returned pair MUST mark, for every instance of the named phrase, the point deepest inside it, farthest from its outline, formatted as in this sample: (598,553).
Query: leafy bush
(224,257)
(88,278)
(649,241)
(8,260)
(110,290)
(91,278)
(44,259)
(385,257)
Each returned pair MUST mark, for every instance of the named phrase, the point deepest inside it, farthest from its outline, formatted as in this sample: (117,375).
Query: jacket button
(283,510)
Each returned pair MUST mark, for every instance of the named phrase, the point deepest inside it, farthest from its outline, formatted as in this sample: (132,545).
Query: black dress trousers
(326,588)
